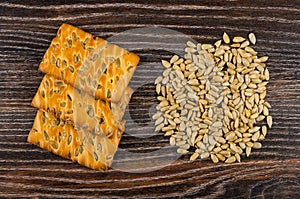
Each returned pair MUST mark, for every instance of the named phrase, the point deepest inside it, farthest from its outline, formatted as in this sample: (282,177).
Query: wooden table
(26,30)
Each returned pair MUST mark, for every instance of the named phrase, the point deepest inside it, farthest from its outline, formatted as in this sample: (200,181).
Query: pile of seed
(211,101)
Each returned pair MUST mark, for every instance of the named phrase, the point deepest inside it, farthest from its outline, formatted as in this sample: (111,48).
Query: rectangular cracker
(61,138)
(76,107)
(89,63)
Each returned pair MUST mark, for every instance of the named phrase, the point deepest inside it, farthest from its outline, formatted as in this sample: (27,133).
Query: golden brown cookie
(89,63)
(67,103)
(61,138)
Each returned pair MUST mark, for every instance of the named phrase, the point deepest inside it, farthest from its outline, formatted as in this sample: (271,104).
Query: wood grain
(26,30)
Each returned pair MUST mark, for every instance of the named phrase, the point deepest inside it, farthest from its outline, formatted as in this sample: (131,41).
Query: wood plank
(26,30)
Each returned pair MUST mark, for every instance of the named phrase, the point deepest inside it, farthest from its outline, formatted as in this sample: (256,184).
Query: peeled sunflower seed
(252,38)
(226,38)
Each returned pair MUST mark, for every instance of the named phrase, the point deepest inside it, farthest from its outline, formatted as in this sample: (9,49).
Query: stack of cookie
(82,98)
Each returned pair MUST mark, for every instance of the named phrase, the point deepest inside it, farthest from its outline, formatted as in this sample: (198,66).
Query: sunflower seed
(244,44)
(248,151)
(226,38)
(252,38)
(172,141)
(156,115)
(159,120)
(254,129)
(159,127)
(194,156)
(204,155)
(218,43)
(182,151)
(158,88)
(220,157)
(255,136)
(214,158)
(257,145)
(219,52)
(206,46)
(191,44)
(269,121)
(238,39)
(231,159)
(237,157)
(264,130)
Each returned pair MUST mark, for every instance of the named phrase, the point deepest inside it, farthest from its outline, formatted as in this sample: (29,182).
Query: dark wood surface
(26,30)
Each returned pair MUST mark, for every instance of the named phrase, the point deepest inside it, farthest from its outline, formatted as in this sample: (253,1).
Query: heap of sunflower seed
(212,99)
